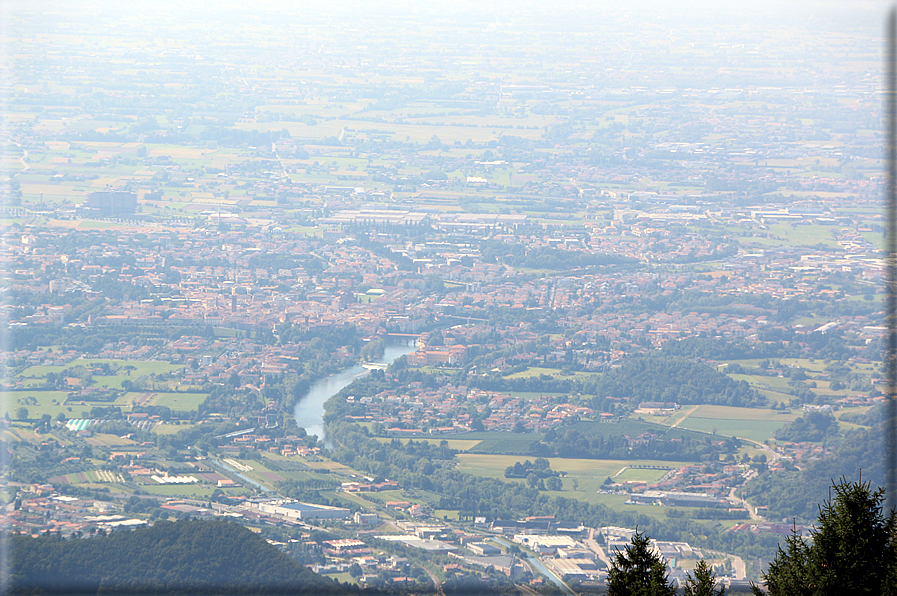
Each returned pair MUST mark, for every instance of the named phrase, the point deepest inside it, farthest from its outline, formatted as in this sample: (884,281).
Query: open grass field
(536,371)
(140,367)
(764,382)
(633,427)
(199,491)
(38,403)
(171,429)
(746,423)
(589,474)
(175,401)
(495,441)
(106,440)
(775,388)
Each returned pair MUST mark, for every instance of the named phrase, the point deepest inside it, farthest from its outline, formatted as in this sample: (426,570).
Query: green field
(175,401)
(589,474)
(142,372)
(106,440)
(171,429)
(39,403)
(552,372)
(201,491)
(747,423)
(640,475)
(140,367)
(633,427)
(495,441)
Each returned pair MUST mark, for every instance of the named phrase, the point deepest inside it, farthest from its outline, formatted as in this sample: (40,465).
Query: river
(309,411)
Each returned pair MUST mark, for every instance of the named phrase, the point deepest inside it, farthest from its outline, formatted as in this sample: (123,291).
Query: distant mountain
(185,557)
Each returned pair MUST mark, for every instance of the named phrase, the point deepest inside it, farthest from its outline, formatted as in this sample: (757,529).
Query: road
(750,508)
(22,159)
(436,583)
(593,544)
(740,568)
(772,454)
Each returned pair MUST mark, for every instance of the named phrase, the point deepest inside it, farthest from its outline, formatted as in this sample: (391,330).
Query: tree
(553,483)
(852,551)
(373,350)
(638,571)
(703,582)
(22,413)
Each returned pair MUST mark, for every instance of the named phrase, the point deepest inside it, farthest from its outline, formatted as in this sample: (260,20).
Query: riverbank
(309,410)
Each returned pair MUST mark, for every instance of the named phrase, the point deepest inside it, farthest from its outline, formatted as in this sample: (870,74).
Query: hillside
(185,557)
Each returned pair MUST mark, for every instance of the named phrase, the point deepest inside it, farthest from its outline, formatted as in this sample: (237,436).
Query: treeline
(185,557)
(661,375)
(90,340)
(574,444)
(662,378)
(812,427)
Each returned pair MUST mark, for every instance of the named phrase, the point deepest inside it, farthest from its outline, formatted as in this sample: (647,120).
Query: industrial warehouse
(299,510)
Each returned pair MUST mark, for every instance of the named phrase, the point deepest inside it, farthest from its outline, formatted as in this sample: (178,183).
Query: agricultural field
(746,423)
(90,476)
(557,373)
(495,441)
(130,369)
(820,375)
(39,403)
(166,428)
(107,440)
(175,401)
(269,472)
(196,491)
(634,427)
(588,474)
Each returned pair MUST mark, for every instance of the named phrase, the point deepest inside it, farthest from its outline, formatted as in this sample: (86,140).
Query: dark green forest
(185,557)
(674,379)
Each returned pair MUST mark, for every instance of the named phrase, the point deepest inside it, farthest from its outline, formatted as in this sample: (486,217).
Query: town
(474,315)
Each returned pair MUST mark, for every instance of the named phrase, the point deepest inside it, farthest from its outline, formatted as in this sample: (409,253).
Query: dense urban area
(431,301)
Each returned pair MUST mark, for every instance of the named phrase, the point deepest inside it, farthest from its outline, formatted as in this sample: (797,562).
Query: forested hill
(675,379)
(798,493)
(184,557)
